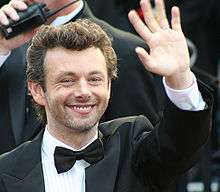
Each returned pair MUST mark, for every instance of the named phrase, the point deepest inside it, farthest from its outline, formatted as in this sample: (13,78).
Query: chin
(81,126)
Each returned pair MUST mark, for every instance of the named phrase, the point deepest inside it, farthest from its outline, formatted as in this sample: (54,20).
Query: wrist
(180,80)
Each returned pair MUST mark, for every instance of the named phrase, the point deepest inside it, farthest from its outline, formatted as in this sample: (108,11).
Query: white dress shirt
(3,58)
(70,181)
(186,99)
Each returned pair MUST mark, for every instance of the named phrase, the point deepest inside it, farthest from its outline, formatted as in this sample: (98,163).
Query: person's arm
(169,54)
(173,145)
(9,11)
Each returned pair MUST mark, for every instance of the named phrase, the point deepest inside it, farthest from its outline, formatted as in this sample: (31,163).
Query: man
(17,118)
(69,71)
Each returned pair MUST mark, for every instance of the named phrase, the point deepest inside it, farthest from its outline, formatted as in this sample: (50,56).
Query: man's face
(77,88)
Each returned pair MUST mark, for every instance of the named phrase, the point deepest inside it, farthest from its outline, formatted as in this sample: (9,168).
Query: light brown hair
(76,36)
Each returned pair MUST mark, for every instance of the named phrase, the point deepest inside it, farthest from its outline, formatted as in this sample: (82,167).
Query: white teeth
(82,108)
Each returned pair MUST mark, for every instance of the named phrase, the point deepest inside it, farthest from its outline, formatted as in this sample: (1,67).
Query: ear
(37,93)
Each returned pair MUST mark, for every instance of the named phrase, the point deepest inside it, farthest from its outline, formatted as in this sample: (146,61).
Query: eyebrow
(96,72)
(69,73)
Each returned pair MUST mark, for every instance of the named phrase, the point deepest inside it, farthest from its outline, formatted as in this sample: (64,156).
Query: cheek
(57,98)
(103,92)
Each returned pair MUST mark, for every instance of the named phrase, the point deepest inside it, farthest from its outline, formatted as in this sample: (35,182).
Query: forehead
(60,60)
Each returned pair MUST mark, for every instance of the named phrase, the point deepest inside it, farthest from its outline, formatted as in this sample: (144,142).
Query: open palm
(168,49)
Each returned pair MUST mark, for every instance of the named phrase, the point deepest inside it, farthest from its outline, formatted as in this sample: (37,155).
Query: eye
(67,82)
(95,80)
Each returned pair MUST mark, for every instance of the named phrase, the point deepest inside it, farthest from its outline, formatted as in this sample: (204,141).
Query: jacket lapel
(32,182)
(27,174)
(17,88)
(102,175)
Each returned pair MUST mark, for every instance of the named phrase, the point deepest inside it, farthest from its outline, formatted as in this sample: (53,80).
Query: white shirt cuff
(3,58)
(186,99)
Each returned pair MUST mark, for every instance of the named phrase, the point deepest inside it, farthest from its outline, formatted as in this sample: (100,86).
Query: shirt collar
(66,18)
(49,143)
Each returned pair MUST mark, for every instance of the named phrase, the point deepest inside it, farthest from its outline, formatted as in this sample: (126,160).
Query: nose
(82,91)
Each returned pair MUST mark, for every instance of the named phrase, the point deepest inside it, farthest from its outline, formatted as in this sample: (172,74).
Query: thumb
(146,59)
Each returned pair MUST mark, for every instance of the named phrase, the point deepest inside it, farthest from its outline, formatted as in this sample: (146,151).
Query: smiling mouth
(82,109)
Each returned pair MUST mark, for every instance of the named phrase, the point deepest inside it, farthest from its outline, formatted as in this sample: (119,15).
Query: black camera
(35,15)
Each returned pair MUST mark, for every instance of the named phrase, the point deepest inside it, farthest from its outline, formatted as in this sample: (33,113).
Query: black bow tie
(66,158)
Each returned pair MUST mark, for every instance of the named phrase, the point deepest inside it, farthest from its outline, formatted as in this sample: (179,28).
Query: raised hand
(10,11)
(168,55)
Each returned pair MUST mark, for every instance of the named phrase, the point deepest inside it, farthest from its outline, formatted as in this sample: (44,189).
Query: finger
(161,14)
(145,59)
(175,21)
(148,16)
(19,5)
(10,11)
(139,26)
(3,18)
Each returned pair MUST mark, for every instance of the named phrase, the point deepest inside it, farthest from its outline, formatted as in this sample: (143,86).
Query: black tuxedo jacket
(138,156)
(134,93)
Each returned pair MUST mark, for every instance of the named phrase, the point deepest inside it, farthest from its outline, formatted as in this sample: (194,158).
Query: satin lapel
(17,90)
(27,174)
(32,182)
(102,175)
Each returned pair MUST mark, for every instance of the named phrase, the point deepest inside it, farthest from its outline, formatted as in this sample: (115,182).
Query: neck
(65,11)
(75,139)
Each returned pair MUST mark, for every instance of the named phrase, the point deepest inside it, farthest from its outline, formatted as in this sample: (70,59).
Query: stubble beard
(84,124)
(87,123)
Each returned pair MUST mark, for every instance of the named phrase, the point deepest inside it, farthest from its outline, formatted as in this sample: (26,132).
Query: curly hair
(76,36)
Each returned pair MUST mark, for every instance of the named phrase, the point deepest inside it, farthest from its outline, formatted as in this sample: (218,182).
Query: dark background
(3,2)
